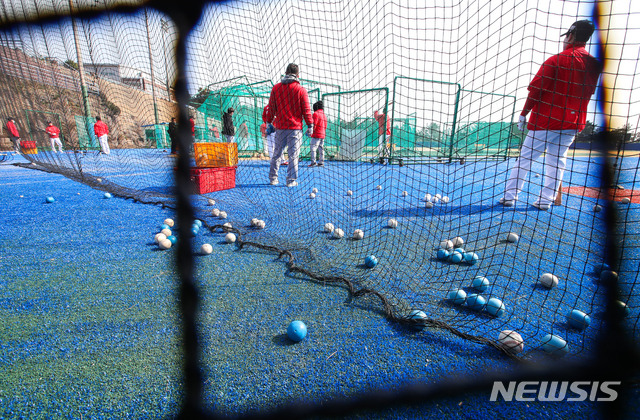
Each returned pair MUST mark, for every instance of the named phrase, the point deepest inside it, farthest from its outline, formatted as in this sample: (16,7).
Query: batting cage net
(401,198)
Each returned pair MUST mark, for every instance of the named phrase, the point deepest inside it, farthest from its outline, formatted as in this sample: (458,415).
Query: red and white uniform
(53,132)
(318,135)
(384,134)
(560,91)
(14,135)
(54,137)
(13,130)
(102,132)
(558,98)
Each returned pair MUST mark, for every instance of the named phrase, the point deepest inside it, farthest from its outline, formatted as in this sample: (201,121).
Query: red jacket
(193,125)
(263,129)
(12,129)
(53,131)
(100,128)
(380,117)
(319,125)
(289,105)
(561,90)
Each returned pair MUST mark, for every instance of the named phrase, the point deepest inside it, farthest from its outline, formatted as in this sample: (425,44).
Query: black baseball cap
(230,110)
(582,30)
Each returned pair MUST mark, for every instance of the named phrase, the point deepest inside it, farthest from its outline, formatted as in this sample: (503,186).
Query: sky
(460,47)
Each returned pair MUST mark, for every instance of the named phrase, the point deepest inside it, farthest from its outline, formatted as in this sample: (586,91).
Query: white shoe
(540,206)
(507,203)
(274,182)
(292,184)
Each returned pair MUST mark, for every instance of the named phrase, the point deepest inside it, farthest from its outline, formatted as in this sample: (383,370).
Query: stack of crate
(216,165)
(28,147)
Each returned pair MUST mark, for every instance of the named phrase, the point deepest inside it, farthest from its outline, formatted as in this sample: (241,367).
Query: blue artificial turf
(88,302)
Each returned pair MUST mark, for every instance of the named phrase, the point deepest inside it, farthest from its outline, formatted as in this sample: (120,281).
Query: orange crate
(208,180)
(216,155)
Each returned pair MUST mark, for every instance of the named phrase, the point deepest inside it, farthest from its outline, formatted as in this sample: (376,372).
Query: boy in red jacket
(54,136)
(318,135)
(101,130)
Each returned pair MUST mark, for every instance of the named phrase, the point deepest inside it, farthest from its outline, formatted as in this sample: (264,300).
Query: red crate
(208,180)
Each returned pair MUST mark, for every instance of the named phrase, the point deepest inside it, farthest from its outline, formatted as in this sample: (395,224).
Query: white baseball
(548,280)
(446,244)
(513,237)
(511,340)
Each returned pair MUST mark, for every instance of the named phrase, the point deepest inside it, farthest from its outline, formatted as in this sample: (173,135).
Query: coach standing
(14,135)
(288,105)
(558,99)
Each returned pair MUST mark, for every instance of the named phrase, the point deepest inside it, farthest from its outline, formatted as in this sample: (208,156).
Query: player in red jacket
(318,135)
(54,136)
(288,106)
(102,133)
(384,135)
(14,135)
(558,99)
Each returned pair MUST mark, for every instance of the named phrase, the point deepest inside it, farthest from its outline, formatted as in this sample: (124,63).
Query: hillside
(43,85)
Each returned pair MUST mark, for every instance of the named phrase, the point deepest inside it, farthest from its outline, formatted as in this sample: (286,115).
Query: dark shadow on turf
(283,340)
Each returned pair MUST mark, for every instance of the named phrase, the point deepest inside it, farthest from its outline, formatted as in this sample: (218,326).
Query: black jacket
(227,125)
(173,130)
